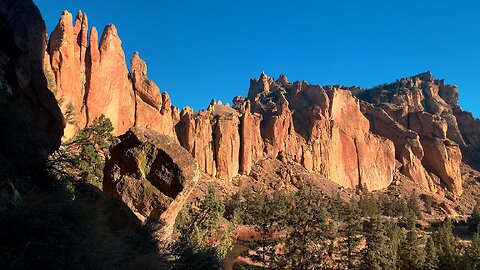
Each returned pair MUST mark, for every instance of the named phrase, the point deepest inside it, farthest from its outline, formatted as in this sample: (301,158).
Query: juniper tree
(267,213)
(472,254)
(93,142)
(414,206)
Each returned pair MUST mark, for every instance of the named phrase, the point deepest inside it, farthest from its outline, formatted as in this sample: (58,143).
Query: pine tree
(414,206)
(447,245)
(472,256)
(310,242)
(268,214)
(412,254)
(474,218)
(351,237)
(376,256)
(395,236)
(208,218)
(93,142)
(431,256)
(70,114)
(369,204)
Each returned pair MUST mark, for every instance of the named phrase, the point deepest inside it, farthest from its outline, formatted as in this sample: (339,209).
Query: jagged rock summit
(91,78)
(355,137)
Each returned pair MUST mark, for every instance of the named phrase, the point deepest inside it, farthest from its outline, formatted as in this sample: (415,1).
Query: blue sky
(199,50)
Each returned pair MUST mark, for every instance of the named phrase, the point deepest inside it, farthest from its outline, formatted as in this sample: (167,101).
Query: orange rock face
(414,107)
(110,91)
(153,110)
(91,78)
(67,49)
(351,136)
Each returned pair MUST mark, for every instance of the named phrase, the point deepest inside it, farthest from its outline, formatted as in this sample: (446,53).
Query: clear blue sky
(199,50)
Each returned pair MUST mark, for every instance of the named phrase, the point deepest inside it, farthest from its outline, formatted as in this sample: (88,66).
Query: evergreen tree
(447,245)
(93,142)
(267,214)
(351,237)
(376,255)
(431,256)
(414,206)
(395,236)
(428,204)
(412,254)
(474,218)
(208,218)
(310,241)
(368,204)
(472,256)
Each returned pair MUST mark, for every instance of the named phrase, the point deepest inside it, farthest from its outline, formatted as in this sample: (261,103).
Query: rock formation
(151,173)
(31,121)
(91,78)
(352,136)
(413,114)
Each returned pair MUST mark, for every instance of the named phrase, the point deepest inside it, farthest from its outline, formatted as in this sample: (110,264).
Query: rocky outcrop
(470,128)
(151,173)
(91,78)
(153,110)
(67,50)
(31,121)
(413,114)
(327,130)
(293,123)
(109,90)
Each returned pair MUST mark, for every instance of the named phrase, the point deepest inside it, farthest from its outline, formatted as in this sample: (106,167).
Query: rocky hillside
(354,137)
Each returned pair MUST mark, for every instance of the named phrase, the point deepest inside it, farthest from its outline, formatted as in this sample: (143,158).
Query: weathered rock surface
(417,105)
(67,49)
(324,129)
(470,128)
(109,90)
(31,121)
(151,173)
(91,78)
(153,110)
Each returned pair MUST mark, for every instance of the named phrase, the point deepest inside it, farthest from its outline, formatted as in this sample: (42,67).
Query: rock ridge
(358,138)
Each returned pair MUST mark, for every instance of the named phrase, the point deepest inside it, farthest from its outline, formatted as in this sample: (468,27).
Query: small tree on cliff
(93,142)
(82,158)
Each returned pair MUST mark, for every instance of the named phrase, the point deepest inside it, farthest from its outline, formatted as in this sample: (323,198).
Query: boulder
(151,173)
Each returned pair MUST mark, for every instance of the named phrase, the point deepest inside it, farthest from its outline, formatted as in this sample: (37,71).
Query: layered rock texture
(355,137)
(31,121)
(151,173)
